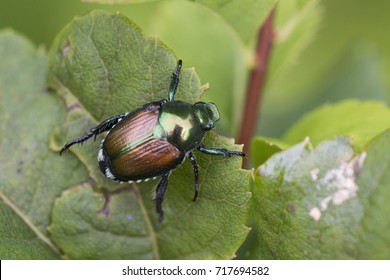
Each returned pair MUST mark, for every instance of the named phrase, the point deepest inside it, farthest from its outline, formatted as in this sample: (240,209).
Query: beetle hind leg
(77,141)
(104,126)
(160,191)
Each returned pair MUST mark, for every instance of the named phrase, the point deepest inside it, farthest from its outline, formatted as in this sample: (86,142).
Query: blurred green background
(325,51)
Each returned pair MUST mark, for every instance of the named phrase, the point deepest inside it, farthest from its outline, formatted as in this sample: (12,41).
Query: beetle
(155,139)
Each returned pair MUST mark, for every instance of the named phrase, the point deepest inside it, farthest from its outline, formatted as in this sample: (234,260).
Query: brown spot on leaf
(73,106)
(274,254)
(291,208)
(107,196)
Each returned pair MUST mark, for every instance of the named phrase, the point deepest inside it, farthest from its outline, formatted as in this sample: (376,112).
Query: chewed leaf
(311,203)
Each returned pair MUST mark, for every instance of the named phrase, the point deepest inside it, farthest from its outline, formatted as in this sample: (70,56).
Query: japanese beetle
(155,139)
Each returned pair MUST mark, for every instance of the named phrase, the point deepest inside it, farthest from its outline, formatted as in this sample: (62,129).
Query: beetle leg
(196,173)
(104,126)
(160,191)
(174,82)
(219,151)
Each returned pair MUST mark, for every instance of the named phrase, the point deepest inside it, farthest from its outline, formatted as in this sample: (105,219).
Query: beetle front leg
(174,82)
(219,151)
(196,173)
(104,126)
(160,191)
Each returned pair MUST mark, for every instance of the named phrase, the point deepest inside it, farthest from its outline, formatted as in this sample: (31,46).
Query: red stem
(256,83)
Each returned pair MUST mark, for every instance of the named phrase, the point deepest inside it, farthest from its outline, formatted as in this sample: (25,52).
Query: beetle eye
(207,113)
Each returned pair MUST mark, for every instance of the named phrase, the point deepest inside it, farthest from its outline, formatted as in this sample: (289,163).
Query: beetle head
(207,114)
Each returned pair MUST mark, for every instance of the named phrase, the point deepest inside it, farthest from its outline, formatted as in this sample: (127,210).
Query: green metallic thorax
(179,125)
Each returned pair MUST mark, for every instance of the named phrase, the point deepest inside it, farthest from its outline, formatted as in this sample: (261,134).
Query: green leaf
(224,193)
(263,148)
(105,60)
(320,203)
(31,176)
(374,182)
(84,232)
(191,230)
(101,73)
(359,120)
(288,186)
(17,239)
